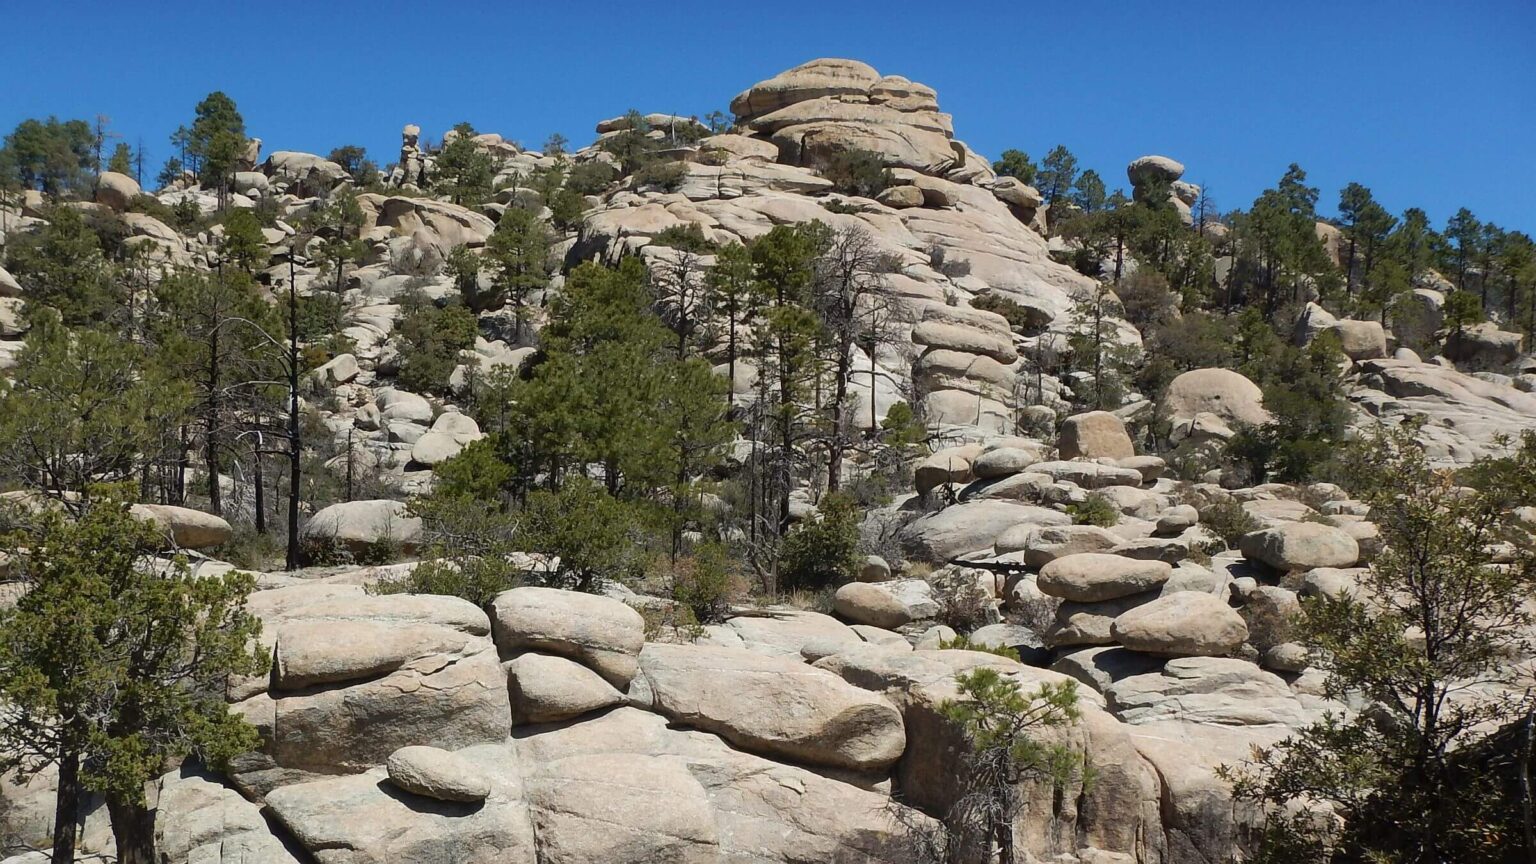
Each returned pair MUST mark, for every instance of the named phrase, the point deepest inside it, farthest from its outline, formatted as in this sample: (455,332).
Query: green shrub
(429,340)
(1095,510)
(688,237)
(705,583)
(1225,518)
(1020,318)
(846,208)
(962,643)
(476,471)
(857,172)
(248,550)
(477,579)
(325,552)
(821,552)
(594,537)
(667,176)
(565,209)
(591,178)
(963,605)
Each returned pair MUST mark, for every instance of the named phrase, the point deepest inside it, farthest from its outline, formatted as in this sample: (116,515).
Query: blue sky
(1430,104)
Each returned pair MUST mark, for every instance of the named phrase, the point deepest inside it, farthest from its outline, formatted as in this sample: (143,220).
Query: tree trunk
(66,808)
(211,426)
(730,358)
(133,829)
(839,425)
(261,485)
(293,421)
(1349,266)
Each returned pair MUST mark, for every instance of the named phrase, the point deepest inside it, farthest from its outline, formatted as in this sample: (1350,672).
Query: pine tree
(1402,780)
(1016,163)
(111,669)
(518,253)
(1463,231)
(732,292)
(85,407)
(122,159)
(65,269)
(205,336)
(462,169)
(784,264)
(1058,173)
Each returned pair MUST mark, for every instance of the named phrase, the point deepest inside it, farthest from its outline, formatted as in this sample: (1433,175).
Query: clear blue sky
(1429,104)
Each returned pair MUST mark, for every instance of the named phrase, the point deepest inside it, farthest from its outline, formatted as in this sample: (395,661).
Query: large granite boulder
(885,604)
(770,705)
(1301,546)
(360,527)
(436,773)
(544,688)
(1182,624)
(1094,435)
(1089,577)
(184,527)
(367,818)
(359,676)
(603,633)
(971,526)
(1221,392)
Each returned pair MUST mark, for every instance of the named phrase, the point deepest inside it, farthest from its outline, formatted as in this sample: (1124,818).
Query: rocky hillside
(1028,524)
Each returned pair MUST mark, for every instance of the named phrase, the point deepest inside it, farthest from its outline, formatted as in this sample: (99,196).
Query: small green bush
(963,605)
(821,552)
(704,584)
(1020,318)
(1225,518)
(591,178)
(1095,510)
(962,643)
(857,172)
(686,238)
(477,580)
(429,340)
(667,176)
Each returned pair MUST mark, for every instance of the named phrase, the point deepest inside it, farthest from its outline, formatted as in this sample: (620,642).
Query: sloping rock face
(1465,416)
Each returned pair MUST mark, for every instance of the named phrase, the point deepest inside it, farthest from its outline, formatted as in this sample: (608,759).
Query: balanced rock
(1183,624)
(1089,577)
(601,632)
(1154,169)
